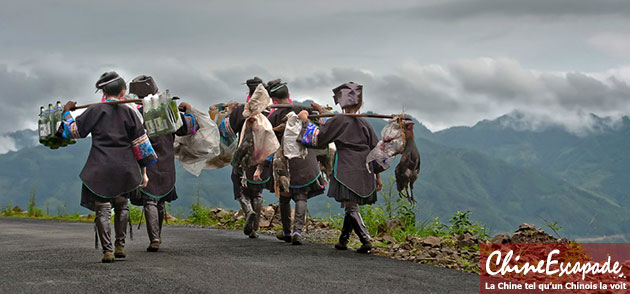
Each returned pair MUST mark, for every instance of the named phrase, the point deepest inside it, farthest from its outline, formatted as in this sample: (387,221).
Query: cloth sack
(293,149)
(194,151)
(392,142)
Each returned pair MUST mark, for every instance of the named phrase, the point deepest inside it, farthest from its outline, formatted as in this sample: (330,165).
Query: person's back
(354,182)
(114,129)
(304,173)
(117,162)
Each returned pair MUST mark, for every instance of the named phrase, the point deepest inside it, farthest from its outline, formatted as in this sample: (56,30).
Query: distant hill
(501,190)
(598,161)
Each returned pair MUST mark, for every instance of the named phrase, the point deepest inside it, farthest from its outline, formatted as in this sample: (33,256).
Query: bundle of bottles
(50,121)
(160,114)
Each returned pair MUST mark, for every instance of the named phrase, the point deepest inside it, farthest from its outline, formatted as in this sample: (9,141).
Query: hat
(253,83)
(143,86)
(106,79)
(348,94)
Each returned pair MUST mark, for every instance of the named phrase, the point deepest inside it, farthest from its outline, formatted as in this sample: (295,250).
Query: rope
(141,216)
(95,236)
(130,228)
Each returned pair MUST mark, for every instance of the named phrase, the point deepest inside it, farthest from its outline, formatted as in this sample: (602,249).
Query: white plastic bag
(194,151)
(391,143)
(258,102)
(265,141)
(293,149)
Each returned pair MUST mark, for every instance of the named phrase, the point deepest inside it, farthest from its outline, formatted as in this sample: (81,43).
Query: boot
(108,257)
(341,245)
(119,252)
(257,207)
(282,237)
(250,216)
(346,230)
(296,239)
(356,223)
(365,248)
(154,246)
(249,223)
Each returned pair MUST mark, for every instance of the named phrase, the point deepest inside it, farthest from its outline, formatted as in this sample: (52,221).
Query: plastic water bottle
(54,142)
(43,126)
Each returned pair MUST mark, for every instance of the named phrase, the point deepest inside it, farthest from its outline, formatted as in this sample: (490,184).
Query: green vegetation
(397,217)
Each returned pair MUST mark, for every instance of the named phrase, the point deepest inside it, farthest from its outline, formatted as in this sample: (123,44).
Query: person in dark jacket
(161,189)
(353,183)
(249,196)
(117,163)
(304,173)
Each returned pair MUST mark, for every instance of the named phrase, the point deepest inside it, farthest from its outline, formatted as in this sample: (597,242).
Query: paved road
(42,256)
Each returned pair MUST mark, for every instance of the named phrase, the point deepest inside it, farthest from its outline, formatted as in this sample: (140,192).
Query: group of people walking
(124,163)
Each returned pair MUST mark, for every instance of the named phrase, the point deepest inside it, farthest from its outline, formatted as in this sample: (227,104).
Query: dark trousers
(154,212)
(103,219)
(353,221)
(300,213)
(251,202)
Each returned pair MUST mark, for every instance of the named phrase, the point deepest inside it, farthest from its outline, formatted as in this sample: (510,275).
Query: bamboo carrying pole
(404,117)
(114,102)
(290,106)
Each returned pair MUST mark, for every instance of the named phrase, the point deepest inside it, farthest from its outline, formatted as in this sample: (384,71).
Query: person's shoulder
(279,113)
(364,122)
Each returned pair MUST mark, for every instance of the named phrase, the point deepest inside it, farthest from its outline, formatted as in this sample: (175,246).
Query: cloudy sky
(447,62)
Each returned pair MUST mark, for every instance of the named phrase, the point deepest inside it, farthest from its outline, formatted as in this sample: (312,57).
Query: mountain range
(504,174)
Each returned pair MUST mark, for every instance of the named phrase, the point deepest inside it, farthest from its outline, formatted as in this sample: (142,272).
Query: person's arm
(379,183)
(141,146)
(79,128)
(319,136)
(190,125)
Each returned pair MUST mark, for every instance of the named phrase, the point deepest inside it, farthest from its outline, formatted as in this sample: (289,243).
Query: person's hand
(303,115)
(257,174)
(145,181)
(70,105)
(185,106)
(317,107)
(145,178)
(379,183)
(231,107)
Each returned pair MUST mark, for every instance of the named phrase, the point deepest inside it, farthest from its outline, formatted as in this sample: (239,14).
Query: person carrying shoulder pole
(117,163)
(161,189)
(353,183)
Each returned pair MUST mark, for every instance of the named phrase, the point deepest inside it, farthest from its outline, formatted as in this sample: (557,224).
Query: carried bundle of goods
(49,123)
(160,114)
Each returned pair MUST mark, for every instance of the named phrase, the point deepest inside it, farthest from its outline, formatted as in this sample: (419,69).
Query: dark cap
(348,94)
(253,83)
(143,86)
(107,78)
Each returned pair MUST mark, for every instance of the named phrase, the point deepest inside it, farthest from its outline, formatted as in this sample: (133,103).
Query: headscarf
(348,94)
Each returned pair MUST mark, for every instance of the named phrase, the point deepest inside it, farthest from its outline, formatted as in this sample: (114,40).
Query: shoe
(365,248)
(154,246)
(119,252)
(296,239)
(341,245)
(253,235)
(108,257)
(282,237)
(249,224)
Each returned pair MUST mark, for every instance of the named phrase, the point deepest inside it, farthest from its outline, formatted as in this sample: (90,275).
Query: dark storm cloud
(558,54)
(466,91)
(449,10)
